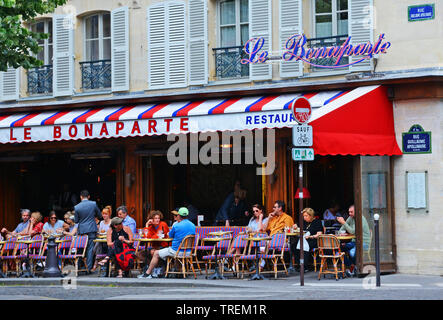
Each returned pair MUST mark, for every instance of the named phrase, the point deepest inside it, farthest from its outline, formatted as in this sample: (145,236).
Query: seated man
(349,227)
(25,215)
(122,212)
(278,219)
(178,232)
(330,216)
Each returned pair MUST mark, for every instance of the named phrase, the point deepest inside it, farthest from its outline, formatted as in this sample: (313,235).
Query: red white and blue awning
(361,118)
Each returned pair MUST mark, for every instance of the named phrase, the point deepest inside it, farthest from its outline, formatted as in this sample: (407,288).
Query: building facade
(175,67)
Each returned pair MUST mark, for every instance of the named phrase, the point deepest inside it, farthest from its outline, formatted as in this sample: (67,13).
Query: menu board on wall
(416,190)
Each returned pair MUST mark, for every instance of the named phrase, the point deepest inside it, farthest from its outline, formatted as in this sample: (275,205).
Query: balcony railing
(40,80)
(327,42)
(96,74)
(227,63)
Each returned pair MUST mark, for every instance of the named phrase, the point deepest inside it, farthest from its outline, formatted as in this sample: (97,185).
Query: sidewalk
(389,281)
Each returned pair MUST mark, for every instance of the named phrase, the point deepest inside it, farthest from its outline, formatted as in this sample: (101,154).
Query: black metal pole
(51,267)
(377,249)
(300,223)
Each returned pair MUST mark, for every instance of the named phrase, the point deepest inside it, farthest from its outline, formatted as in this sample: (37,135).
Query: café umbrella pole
(377,249)
(300,222)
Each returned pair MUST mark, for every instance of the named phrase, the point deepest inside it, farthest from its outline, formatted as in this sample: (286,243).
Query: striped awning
(237,113)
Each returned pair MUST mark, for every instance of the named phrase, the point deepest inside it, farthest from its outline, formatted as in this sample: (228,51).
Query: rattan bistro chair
(184,256)
(329,248)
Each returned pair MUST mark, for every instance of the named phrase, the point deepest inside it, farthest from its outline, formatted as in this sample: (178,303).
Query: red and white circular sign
(301,109)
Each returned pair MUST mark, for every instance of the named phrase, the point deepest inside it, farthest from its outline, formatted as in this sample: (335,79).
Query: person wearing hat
(117,235)
(182,228)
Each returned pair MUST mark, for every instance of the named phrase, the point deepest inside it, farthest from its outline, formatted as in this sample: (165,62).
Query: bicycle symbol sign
(302,136)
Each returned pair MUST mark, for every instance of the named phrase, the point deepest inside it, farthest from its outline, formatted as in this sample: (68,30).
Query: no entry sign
(301,109)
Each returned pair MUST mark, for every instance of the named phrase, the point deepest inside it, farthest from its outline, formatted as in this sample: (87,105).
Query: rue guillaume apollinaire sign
(416,140)
(295,50)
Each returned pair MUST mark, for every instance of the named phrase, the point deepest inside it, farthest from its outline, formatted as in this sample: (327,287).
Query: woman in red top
(35,226)
(157,229)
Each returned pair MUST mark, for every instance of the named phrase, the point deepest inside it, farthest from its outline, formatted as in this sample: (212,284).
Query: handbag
(305,242)
(126,258)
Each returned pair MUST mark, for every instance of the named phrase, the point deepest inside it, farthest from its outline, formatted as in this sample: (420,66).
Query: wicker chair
(329,248)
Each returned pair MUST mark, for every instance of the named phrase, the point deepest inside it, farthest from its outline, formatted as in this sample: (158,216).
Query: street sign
(301,109)
(302,154)
(302,136)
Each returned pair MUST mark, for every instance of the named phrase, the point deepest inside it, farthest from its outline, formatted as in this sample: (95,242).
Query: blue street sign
(416,140)
(421,12)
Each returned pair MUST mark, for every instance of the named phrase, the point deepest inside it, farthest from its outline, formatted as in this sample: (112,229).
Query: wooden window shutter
(120,49)
(198,42)
(361,30)
(9,84)
(290,24)
(260,25)
(63,58)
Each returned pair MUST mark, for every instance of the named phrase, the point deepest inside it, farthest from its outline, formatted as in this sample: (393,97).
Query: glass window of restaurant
(376,190)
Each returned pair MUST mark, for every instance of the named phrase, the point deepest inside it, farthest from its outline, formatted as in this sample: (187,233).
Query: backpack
(126,258)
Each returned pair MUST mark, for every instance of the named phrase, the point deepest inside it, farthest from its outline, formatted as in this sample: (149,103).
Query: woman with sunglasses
(53,225)
(258,222)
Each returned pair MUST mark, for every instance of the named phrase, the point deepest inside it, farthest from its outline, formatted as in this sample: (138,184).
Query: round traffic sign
(301,109)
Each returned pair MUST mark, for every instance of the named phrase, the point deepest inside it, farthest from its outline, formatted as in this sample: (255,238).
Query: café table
(28,273)
(216,240)
(345,237)
(257,275)
(150,240)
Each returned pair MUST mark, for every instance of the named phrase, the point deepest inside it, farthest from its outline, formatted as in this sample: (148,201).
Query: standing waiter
(85,213)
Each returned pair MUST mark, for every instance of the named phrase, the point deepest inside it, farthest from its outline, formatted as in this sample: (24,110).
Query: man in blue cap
(182,228)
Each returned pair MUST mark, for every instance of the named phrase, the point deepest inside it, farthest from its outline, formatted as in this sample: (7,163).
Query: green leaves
(18,45)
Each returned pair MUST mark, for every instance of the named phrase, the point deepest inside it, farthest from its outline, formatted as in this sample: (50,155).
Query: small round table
(345,237)
(28,272)
(257,275)
(51,268)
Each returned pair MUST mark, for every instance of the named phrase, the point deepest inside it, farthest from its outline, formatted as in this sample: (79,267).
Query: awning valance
(340,118)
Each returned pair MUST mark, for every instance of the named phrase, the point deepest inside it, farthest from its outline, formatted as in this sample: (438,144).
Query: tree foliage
(18,44)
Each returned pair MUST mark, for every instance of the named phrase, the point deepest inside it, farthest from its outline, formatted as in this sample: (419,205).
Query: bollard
(377,249)
(51,268)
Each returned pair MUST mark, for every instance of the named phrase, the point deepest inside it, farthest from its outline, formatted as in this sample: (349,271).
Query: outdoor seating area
(212,253)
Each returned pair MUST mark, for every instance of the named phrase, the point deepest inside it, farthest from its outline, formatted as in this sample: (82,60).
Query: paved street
(394,287)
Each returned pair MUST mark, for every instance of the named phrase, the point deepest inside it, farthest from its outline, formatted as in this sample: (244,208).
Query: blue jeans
(350,248)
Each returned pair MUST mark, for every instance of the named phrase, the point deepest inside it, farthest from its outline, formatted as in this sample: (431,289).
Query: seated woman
(119,238)
(315,228)
(157,229)
(258,222)
(53,225)
(103,227)
(69,227)
(35,226)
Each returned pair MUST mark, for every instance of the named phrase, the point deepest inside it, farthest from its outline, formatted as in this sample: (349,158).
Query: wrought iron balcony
(40,80)
(96,74)
(227,63)
(327,42)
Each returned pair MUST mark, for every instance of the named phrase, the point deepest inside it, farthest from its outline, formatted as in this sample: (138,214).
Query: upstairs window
(45,54)
(233,22)
(331,18)
(98,37)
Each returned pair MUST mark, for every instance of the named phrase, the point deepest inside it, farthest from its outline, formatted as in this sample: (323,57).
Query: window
(234,22)
(45,54)
(40,79)
(96,69)
(98,37)
(331,18)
